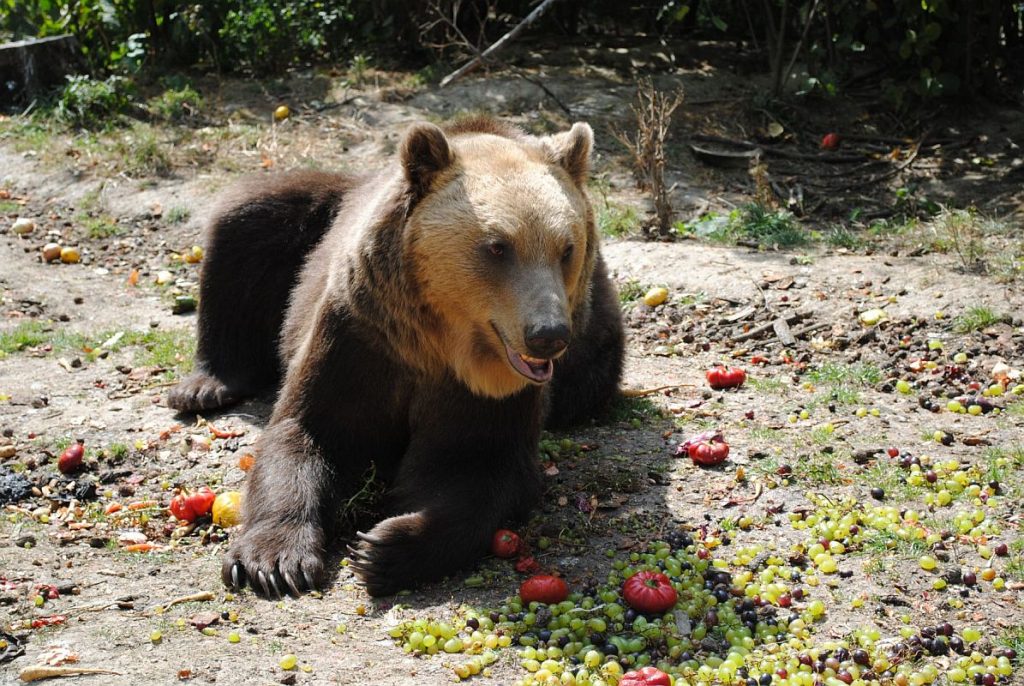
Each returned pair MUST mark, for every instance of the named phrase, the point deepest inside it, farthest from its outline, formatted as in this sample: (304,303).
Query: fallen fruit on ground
(71,459)
(51,252)
(830,141)
(720,377)
(282,113)
(649,592)
(544,588)
(656,296)
(188,506)
(505,543)
(227,509)
(70,255)
(648,676)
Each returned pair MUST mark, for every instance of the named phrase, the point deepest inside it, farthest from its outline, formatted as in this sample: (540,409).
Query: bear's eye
(497,249)
(567,255)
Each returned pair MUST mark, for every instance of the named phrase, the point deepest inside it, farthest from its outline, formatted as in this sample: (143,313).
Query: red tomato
(708,453)
(648,676)
(188,507)
(830,141)
(544,588)
(720,377)
(505,543)
(649,592)
(71,459)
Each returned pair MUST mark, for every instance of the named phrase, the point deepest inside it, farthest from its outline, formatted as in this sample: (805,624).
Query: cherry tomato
(648,676)
(649,592)
(544,588)
(505,543)
(720,377)
(830,141)
(190,506)
(707,453)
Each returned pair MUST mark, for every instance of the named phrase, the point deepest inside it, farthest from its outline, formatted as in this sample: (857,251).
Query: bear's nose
(546,340)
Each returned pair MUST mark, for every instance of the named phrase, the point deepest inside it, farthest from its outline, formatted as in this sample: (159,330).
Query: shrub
(90,103)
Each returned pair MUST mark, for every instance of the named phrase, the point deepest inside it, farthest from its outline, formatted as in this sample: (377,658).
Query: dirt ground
(89,350)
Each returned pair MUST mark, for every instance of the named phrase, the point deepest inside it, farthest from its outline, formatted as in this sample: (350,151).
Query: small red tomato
(71,459)
(544,588)
(648,676)
(505,543)
(188,507)
(649,592)
(893,452)
(720,377)
(708,453)
(830,141)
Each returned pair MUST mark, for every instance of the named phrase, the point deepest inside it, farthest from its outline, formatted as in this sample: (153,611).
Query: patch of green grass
(615,220)
(118,451)
(889,478)
(1013,638)
(9,207)
(767,227)
(837,395)
(765,433)
(879,542)
(178,214)
(25,335)
(840,374)
(1015,565)
(820,468)
(823,435)
(631,290)
(28,133)
(841,237)
(100,227)
(633,410)
(142,153)
(976,319)
(770,384)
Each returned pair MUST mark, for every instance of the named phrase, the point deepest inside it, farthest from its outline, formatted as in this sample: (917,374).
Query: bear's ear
(425,154)
(571,151)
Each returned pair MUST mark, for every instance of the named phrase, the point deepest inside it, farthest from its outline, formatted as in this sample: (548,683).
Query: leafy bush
(90,103)
(177,104)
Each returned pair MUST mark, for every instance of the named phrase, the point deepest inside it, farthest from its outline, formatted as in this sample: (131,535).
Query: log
(499,44)
(36,64)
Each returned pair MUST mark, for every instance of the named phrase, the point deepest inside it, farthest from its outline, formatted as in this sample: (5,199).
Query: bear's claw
(200,391)
(270,559)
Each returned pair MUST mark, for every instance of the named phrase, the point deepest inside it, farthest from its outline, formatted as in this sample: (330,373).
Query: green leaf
(932,31)
(719,23)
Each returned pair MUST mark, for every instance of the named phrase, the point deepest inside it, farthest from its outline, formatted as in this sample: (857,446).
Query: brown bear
(427,320)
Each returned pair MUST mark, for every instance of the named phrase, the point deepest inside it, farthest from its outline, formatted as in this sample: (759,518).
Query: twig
(498,44)
(540,84)
(800,43)
(644,392)
(193,598)
(890,173)
(46,672)
(763,328)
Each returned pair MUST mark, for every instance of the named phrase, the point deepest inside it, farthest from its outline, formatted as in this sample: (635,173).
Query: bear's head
(500,242)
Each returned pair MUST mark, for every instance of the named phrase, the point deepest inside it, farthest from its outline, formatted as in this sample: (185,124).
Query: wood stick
(499,44)
(758,330)
(47,672)
(782,331)
(644,392)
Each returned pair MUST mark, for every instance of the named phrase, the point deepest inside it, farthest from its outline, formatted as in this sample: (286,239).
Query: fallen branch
(44,672)
(193,598)
(644,392)
(498,44)
(764,328)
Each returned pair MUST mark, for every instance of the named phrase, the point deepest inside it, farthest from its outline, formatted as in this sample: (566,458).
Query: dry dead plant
(653,110)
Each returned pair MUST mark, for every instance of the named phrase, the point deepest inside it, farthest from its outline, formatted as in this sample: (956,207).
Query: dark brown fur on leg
(256,244)
(454,488)
(587,377)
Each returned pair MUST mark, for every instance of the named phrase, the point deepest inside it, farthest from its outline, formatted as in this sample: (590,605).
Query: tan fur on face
(497,189)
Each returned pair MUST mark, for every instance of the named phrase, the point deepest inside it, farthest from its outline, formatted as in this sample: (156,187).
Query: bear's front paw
(276,559)
(397,553)
(200,391)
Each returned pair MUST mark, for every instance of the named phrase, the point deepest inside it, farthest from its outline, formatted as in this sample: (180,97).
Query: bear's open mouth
(533,368)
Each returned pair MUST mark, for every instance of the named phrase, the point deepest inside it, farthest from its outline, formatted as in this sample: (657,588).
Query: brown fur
(407,293)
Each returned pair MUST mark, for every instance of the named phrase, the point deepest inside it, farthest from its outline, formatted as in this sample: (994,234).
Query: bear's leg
(471,465)
(331,419)
(587,377)
(281,547)
(255,247)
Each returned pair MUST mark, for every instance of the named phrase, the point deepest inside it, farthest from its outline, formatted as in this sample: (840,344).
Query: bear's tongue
(530,367)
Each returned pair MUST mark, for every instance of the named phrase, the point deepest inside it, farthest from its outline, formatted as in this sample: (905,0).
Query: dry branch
(499,44)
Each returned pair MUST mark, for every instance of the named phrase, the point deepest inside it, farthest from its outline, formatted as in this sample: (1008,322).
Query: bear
(425,322)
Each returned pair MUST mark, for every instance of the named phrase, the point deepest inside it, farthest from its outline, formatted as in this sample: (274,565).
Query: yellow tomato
(227,509)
